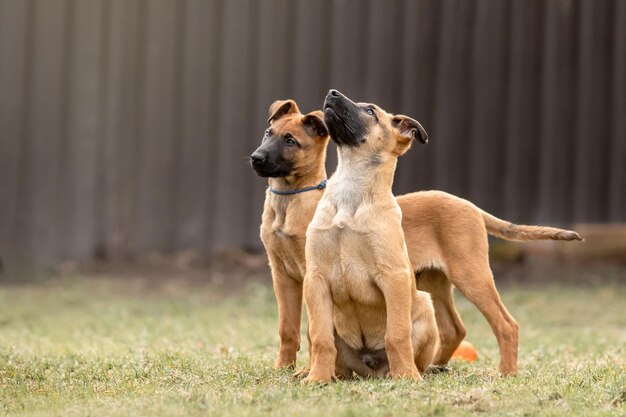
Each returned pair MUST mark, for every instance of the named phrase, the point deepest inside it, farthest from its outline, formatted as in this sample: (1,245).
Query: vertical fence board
(311,69)
(79,169)
(524,111)
(386,54)
(454,91)
(232,148)
(118,136)
(276,27)
(37,199)
(196,134)
(593,116)
(132,146)
(249,112)
(158,124)
(14,47)
(349,25)
(488,108)
(214,116)
(617,177)
(417,93)
(558,104)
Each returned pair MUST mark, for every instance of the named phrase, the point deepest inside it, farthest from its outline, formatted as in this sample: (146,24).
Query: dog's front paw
(318,378)
(282,363)
(409,373)
(508,371)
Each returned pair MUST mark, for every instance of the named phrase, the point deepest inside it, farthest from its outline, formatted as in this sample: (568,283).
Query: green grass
(112,348)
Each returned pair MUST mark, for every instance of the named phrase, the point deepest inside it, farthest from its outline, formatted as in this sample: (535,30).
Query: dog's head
(367,126)
(293,144)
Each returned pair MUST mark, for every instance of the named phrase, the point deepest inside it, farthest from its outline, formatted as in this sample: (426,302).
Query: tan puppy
(446,238)
(292,155)
(358,274)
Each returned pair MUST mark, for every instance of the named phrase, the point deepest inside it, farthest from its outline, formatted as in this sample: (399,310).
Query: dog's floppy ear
(314,122)
(279,108)
(410,128)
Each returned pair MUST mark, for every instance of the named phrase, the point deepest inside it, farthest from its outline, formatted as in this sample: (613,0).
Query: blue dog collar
(319,186)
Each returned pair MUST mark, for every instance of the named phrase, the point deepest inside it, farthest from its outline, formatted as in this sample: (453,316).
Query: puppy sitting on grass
(358,279)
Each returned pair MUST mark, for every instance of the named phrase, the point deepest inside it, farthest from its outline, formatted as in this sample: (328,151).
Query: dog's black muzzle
(267,165)
(343,119)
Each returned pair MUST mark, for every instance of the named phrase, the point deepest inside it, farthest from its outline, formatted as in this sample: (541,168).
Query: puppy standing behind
(292,155)
(358,274)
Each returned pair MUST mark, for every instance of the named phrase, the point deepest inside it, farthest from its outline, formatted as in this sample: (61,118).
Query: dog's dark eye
(289,140)
(267,134)
(369,111)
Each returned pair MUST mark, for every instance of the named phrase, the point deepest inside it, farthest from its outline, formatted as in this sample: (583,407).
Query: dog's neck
(298,182)
(360,180)
(370,175)
(277,206)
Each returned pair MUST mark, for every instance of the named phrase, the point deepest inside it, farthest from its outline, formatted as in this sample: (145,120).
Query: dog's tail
(520,233)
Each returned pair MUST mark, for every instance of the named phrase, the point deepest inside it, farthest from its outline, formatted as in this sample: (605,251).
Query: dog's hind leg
(425,333)
(481,290)
(451,328)
(304,371)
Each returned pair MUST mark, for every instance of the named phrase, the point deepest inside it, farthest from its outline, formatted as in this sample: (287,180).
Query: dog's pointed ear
(280,108)
(314,122)
(410,128)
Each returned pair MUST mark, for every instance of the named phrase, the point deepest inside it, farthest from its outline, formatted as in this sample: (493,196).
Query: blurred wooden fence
(125,124)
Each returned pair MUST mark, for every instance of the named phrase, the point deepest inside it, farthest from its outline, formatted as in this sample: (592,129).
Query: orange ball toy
(465,352)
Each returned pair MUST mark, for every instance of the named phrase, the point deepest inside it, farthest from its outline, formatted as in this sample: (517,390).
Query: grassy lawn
(80,347)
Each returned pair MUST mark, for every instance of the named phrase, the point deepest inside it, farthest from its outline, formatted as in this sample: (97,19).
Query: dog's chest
(351,256)
(341,209)
(290,252)
(283,235)
(351,232)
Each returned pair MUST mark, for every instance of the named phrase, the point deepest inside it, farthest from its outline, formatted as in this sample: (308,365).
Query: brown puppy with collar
(446,238)
(359,280)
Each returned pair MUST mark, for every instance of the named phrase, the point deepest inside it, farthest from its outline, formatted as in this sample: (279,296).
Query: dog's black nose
(258,158)
(334,93)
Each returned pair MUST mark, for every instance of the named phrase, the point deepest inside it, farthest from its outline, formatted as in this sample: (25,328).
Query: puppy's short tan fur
(358,274)
(446,238)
